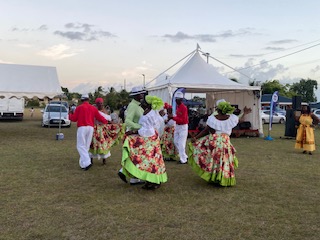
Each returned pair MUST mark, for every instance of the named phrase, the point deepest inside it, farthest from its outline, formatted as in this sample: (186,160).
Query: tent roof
(198,76)
(28,81)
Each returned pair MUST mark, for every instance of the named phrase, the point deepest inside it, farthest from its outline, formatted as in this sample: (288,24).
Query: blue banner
(174,105)
(273,104)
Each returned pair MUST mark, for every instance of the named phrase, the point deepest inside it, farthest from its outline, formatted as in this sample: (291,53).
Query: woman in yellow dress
(305,132)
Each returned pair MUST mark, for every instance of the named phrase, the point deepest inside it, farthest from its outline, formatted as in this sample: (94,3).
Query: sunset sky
(109,43)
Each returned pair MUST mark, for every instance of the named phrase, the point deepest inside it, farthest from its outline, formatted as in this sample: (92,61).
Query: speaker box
(245,125)
(296,102)
(290,130)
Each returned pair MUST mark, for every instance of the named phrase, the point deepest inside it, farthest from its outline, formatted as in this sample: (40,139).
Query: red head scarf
(99,100)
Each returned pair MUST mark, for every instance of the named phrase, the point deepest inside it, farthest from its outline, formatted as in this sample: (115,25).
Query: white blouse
(150,123)
(106,116)
(223,126)
(170,123)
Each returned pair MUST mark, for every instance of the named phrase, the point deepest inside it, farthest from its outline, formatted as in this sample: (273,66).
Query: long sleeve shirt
(181,117)
(134,112)
(85,114)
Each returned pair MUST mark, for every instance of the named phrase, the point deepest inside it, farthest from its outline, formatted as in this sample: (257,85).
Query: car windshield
(51,108)
(58,102)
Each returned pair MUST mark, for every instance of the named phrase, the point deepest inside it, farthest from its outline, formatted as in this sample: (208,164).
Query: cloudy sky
(112,43)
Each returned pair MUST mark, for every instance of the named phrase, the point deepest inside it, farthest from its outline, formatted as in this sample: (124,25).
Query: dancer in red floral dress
(141,154)
(211,153)
(104,136)
(169,150)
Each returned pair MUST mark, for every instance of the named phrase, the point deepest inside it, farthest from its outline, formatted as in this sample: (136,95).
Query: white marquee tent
(197,76)
(28,81)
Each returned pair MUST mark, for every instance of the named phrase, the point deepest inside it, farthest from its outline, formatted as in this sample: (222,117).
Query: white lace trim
(223,126)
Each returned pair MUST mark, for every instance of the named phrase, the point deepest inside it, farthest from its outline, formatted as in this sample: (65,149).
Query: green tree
(98,93)
(198,99)
(306,89)
(269,87)
(66,92)
(124,99)
(33,102)
(116,100)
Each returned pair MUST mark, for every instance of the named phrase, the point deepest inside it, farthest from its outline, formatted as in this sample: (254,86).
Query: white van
(11,108)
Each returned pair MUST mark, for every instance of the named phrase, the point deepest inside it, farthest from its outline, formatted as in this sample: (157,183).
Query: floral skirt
(104,137)
(142,158)
(167,144)
(213,158)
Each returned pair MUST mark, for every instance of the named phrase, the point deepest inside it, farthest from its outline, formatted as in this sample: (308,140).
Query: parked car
(317,113)
(55,114)
(66,104)
(281,112)
(277,110)
(277,118)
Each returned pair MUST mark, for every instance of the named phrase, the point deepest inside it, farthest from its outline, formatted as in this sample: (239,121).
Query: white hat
(219,101)
(137,90)
(85,96)
(178,95)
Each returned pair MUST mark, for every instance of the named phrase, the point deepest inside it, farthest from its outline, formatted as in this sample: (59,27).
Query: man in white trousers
(181,129)
(84,115)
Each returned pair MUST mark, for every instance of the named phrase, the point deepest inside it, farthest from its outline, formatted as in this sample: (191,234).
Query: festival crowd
(152,132)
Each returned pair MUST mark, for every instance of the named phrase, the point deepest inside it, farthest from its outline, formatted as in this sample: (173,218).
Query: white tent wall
(164,93)
(243,99)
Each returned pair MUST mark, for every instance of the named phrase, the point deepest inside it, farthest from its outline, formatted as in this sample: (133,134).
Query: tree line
(304,88)
(115,100)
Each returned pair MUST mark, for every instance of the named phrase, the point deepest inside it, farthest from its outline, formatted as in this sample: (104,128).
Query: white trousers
(180,139)
(84,138)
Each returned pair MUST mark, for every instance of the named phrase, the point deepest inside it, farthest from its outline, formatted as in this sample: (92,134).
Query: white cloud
(316,69)
(258,72)
(24,45)
(59,51)
(2,61)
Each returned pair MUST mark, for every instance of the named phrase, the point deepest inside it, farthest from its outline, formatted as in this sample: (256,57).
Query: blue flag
(273,104)
(174,105)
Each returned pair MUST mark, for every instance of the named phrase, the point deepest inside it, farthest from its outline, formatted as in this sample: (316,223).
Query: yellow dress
(305,134)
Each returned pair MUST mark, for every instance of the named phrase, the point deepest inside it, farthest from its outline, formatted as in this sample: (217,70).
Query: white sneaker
(135,181)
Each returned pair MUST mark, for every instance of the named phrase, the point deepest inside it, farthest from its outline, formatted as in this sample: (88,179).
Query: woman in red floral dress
(211,154)
(169,150)
(141,154)
(104,136)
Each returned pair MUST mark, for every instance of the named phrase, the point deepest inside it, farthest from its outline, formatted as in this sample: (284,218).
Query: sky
(122,43)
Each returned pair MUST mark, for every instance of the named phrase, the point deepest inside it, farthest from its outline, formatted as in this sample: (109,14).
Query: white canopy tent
(28,81)
(197,76)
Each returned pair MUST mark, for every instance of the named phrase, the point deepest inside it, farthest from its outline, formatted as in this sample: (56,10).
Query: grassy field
(45,195)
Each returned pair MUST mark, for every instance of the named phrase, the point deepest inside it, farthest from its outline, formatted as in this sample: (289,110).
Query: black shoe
(103,161)
(304,152)
(179,162)
(87,168)
(151,186)
(310,153)
(122,177)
